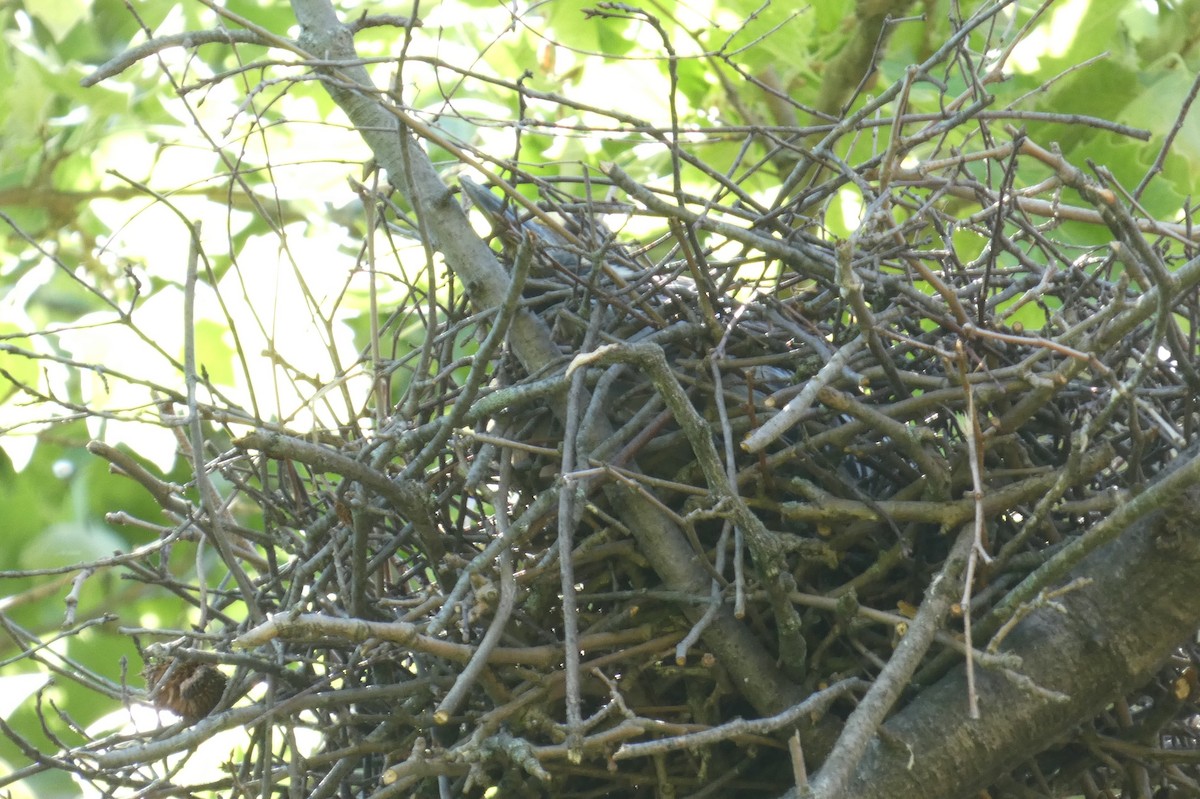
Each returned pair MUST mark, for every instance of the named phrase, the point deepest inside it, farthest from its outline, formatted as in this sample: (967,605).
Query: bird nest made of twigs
(726,493)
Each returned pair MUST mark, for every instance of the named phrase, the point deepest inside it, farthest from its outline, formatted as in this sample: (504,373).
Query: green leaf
(67,543)
(16,370)
(213,352)
(61,16)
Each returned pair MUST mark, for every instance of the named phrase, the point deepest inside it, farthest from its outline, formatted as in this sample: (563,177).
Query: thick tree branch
(1109,637)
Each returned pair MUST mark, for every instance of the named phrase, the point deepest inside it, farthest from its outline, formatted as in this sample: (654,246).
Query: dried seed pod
(190,690)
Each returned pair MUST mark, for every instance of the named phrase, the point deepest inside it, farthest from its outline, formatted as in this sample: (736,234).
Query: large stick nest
(913,396)
(731,490)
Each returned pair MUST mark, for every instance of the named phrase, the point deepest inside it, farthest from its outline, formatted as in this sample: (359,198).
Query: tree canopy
(587,398)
